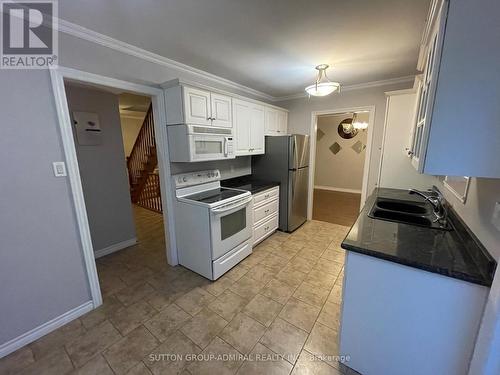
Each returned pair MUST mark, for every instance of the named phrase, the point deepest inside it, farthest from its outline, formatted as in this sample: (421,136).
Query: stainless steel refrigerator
(287,161)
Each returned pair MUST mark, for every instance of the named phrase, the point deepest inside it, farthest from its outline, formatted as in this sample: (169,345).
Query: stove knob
(184,179)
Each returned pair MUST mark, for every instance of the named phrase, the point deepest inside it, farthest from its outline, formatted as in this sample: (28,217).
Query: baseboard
(45,328)
(115,247)
(321,187)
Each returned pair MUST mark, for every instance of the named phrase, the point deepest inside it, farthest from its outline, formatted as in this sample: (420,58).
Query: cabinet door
(197,106)
(221,110)
(257,129)
(271,121)
(427,90)
(282,122)
(242,122)
(424,106)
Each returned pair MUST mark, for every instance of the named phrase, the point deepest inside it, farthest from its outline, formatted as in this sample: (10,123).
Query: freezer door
(298,151)
(297,197)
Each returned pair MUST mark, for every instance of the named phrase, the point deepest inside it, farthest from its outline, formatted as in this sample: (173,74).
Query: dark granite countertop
(249,183)
(455,253)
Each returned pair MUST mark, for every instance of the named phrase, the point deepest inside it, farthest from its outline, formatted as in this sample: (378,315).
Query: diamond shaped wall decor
(358,147)
(319,134)
(335,148)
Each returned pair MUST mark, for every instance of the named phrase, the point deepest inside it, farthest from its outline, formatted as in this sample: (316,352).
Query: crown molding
(358,86)
(129,49)
(83,33)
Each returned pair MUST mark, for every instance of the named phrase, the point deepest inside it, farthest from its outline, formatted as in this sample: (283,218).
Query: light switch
(495,220)
(59,169)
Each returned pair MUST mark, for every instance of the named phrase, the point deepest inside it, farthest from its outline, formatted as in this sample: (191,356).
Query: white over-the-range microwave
(191,143)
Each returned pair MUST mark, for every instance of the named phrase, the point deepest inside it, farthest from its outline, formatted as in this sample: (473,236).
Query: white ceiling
(268,45)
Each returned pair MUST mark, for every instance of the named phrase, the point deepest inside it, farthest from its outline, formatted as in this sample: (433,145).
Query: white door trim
(312,155)
(158,102)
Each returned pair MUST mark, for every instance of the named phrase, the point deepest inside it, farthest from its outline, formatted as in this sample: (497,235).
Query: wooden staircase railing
(150,196)
(143,160)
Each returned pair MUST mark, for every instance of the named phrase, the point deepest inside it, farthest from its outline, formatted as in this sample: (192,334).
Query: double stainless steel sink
(406,212)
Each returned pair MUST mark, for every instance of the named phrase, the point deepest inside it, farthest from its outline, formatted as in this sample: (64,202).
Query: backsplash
(478,210)
(229,168)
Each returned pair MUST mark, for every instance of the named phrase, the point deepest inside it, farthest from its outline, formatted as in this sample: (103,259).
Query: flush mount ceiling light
(323,86)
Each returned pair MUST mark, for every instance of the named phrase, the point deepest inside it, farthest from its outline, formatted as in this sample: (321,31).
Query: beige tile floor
(277,312)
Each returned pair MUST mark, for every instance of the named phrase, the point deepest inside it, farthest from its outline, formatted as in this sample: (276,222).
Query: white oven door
(209,147)
(230,225)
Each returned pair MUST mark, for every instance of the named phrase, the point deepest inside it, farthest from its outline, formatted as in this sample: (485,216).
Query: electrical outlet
(495,220)
(59,169)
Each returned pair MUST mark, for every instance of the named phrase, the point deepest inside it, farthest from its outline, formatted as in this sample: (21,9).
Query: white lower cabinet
(265,214)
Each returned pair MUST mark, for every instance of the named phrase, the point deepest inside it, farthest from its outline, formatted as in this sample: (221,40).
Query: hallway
(336,207)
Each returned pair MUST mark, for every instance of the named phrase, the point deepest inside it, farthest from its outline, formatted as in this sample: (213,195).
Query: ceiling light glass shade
(322,89)
(323,86)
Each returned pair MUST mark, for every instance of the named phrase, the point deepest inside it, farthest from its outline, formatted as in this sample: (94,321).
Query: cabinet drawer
(265,229)
(231,259)
(265,195)
(266,210)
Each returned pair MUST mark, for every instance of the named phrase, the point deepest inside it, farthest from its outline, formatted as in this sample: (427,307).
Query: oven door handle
(230,207)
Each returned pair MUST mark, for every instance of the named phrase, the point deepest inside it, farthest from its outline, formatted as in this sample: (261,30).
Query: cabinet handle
(266,196)
(266,211)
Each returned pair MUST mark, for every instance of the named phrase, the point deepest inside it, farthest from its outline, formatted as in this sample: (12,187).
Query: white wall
(103,170)
(130,130)
(299,117)
(343,170)
(42,274)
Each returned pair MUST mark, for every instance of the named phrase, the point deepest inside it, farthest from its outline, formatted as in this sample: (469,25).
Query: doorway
(340,150)
(117,159)
(59,77)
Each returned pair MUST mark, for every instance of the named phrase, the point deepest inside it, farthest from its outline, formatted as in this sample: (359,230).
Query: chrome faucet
(436,199)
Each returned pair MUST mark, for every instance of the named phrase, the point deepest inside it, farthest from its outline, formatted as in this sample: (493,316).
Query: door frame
(312,152)
(58,75)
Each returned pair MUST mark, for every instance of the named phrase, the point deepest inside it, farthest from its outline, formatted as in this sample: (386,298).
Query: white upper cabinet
(249,125)
(456,130)
(276,121)
(241,119)
(282,122)
(257,129)
(190,105)
(249,120)
(271,121)
(197,106)
(221,110)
